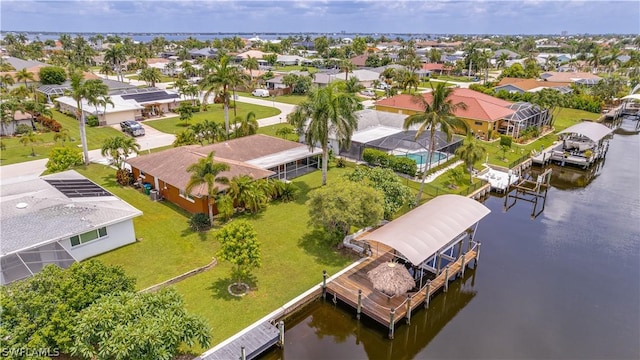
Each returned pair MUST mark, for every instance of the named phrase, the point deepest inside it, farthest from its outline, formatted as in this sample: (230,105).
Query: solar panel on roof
(153,96)
(74,188)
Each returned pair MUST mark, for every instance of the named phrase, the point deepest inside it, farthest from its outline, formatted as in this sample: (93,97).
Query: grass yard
(293,255)
(215,112)
(285,99)
(271,131)
(163,78)
(15,152)
(288,68)
(454,78)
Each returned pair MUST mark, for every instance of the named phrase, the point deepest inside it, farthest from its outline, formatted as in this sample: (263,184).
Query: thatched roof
(391,278)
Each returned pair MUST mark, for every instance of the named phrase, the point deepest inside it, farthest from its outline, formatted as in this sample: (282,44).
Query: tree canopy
(396,194)
(339,206)
(52,75)
(239,245)
(130,325)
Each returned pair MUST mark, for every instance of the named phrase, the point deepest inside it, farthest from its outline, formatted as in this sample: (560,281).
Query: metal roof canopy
(407,140)
(592,130)
(425,230)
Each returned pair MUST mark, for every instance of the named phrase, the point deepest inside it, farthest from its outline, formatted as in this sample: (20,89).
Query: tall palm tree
(119,148)
(502,60)
(222,77)
(206,171)
(116,56)
(438,115)
(151,75)
(470,153)
(213,130)
(251,63)
(24,75)
(90,91)
(247,125)
(347,66)
(326,110)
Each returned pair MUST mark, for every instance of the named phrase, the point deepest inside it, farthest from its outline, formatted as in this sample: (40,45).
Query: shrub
(63,158)
(49,123)
(505,141)
(124,177)
(376,157)
(404,165)
(52,75)
(23,129)
(92,121)
(199,222)
(288,192)
(340,162)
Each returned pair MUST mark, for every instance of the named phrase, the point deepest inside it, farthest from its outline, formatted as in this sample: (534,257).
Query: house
(517,85)
(205,53)
(19,118)
(52,91)
(510,54)
(284,60)
(360,60)
(485,115)
(365,77)
(570,77)
(129,104)
(258,156)
(59,219)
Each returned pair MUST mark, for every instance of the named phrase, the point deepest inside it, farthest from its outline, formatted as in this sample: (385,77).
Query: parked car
(132,128)
(260,92)
(368,92)
(383,86)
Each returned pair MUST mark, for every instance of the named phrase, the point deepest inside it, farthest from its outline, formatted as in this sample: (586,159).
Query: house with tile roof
(484,114)
(517,85)
(258,156)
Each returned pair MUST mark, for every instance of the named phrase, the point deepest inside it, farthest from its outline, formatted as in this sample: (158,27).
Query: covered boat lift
(435,242)
(581,145)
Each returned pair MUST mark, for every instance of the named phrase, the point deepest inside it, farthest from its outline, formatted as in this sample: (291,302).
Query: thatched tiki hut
(392,279)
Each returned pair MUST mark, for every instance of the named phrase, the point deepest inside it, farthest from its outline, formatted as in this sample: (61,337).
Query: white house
(19,118)
(59,219)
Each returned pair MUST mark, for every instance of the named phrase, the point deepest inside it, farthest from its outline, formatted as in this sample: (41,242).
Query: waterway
(565,285)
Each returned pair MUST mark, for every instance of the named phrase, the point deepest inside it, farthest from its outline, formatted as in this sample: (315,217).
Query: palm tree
(206,171)
(30,138)
(116,55)
(437,115)
(247,126)
(6,80)
(247,193)
(502,60)
(151,75)
(24,75)
(470,153)
(89,90)
(346,66)
(62,135)
(251,63)
(222,76)
(171,67)
(596,57)
(326,110)
(119,148)
(213,130)
(353,86)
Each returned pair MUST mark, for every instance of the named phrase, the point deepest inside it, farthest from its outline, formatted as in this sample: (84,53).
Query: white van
(260,92)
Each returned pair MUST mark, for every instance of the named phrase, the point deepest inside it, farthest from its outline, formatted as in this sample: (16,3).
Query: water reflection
(338,335)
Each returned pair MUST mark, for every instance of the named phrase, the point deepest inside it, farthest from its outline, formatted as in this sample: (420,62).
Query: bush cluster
(23,129)
(402,165)
(199,222)
(49,123)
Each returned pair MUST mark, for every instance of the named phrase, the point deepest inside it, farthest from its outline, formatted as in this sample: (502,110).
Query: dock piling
(427,297)
(446,279)
(324,284)
(478,254)
(359,310)
(392,315)
(243,353)
(409,309)
(281,333)
(462,266)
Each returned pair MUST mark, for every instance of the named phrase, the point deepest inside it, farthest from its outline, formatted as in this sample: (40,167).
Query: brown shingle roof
(359,60)
(479,106)
(570,77)
(171,165)
(528,84)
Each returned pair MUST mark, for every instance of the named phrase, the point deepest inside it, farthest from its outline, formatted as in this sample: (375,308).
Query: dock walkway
(254,341)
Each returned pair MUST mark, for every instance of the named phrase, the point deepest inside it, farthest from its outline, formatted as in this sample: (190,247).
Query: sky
(362,16)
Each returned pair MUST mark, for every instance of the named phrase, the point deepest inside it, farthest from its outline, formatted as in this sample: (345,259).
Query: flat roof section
(374,133)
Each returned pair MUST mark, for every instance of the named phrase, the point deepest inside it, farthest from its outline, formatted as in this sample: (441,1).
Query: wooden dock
(386,310)
(255,342)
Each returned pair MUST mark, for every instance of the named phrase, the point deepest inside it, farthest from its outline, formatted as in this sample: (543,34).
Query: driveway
(152,138)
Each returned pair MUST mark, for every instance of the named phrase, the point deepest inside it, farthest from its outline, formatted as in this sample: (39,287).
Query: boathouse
(579,145)
(434,242)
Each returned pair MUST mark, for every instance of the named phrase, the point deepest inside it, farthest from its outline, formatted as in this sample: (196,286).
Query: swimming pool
(421,157)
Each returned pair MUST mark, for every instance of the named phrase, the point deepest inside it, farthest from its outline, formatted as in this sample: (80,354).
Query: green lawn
(428,84)
(163,78)
(271,130)
(286,99)
(15,152)
(288,68)
(215,112)
(293,255)
(454,78)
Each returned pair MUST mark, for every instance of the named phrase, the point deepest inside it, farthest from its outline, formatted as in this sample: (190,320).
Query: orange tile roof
(432,66)
(479,106)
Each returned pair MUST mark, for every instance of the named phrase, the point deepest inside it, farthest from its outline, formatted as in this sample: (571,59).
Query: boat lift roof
(592,130)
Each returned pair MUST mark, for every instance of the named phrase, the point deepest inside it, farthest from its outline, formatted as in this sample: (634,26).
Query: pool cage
(525,115)
(404,143)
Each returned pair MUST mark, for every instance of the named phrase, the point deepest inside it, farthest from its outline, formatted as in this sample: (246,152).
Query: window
(142,174)
(183,194)
(88,236)
(478,123)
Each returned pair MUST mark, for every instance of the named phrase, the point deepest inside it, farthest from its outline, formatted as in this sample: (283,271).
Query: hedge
(49,123)
(402,165)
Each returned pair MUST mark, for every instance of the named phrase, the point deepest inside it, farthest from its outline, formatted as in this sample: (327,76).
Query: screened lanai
(526,115)
(404,143)
(26,263)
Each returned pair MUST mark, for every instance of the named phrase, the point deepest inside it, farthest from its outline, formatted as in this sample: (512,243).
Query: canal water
(565,285)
